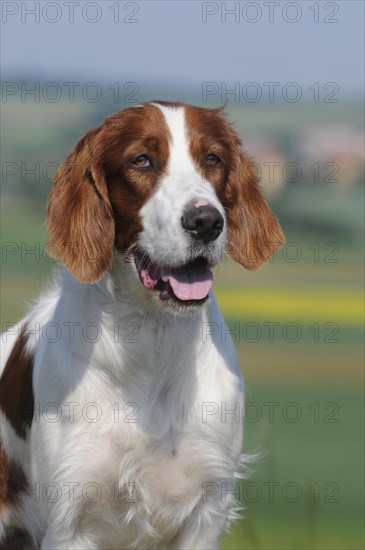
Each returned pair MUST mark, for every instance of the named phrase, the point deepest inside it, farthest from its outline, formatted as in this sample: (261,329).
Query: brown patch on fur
(16,539)
(4,476)
(97,196)
(80,218)
(12,480)
(209,133)
(16,388)
(253,232)
(136,131)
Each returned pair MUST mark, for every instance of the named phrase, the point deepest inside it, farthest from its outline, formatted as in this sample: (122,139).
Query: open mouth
(186,285)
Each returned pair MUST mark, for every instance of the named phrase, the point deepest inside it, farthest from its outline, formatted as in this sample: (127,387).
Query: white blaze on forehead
(179,155)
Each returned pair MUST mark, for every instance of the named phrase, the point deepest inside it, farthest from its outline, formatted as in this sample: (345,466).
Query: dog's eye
(142,161)
(212,160)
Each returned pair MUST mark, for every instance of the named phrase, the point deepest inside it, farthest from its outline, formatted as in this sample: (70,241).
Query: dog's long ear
(253,231)
(80,218)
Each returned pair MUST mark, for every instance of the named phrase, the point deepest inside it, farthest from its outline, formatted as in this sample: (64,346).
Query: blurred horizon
(190,41)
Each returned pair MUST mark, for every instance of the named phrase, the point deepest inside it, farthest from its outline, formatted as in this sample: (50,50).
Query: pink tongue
(189,283)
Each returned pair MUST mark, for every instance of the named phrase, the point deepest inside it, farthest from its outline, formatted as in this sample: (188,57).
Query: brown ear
(80,218)
(253,231)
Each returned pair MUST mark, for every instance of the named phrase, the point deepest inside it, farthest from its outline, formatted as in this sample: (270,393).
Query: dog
(113,387)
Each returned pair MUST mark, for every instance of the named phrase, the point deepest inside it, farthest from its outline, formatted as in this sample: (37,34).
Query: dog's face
(170,188)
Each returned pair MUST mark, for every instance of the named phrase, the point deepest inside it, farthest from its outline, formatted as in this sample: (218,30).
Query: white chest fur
(140,435)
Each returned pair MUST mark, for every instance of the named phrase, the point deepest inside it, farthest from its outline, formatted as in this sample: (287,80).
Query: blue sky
(186,43)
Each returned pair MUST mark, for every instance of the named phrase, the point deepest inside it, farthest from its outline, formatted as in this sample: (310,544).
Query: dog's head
(169,187)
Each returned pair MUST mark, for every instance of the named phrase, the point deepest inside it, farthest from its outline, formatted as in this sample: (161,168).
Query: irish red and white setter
(114,386)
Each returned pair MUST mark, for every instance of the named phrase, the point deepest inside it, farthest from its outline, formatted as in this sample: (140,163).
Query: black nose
(204,223)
